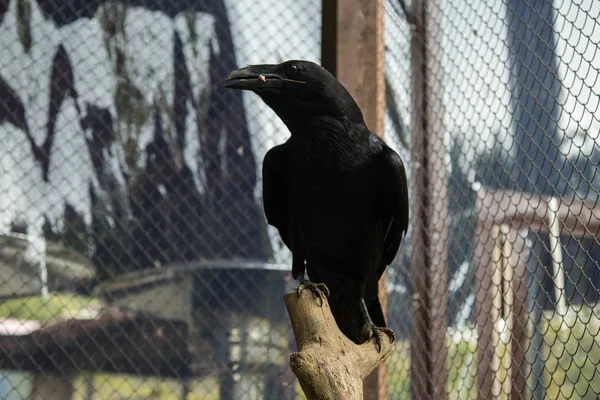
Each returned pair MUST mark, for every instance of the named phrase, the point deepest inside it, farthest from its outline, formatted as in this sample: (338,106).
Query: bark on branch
(328,365)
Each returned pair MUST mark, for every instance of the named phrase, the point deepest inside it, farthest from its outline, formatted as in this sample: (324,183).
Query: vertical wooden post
(352,50)
(500,258)
(497,266)
(518,313)
(484,307)
(429,204)
(508,292)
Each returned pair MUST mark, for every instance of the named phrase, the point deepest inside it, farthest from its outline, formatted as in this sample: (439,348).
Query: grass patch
(55,306)
(121,387)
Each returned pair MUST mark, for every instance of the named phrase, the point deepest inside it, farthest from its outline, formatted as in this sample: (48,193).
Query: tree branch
(328,364)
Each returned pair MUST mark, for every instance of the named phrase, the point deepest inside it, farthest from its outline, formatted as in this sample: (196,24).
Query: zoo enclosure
(131,207)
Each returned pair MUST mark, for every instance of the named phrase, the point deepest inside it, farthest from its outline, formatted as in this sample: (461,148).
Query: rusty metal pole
(429,204)
(352,49)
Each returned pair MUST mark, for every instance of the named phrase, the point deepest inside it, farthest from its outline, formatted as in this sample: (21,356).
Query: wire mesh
(518,81)
(135,261)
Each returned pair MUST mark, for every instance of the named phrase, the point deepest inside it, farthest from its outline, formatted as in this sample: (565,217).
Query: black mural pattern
(154,214)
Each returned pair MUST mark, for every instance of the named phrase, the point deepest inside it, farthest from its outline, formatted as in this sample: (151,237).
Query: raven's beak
(255,77)
(263,77)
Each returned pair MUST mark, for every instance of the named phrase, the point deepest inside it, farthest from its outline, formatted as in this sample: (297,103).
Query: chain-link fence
(135,261)
(513,92)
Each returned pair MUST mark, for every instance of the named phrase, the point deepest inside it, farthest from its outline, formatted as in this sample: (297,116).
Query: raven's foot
(319,290)
(370,330)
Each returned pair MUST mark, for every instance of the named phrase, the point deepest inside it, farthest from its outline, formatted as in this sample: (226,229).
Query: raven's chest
(330,206)
(329,189)
(332,197)
(327,174)
(327,164)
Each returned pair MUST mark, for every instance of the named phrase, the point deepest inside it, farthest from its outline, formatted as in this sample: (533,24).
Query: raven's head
(297,91)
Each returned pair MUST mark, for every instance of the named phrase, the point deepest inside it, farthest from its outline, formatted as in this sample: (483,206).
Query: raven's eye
(292,69)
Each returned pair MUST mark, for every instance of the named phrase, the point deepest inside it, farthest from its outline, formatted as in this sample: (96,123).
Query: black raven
(335,191)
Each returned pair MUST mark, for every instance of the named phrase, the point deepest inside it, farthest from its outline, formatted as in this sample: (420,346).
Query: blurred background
(135,260)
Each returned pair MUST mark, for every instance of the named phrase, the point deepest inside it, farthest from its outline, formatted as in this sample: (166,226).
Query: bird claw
(370,330)
(320,290)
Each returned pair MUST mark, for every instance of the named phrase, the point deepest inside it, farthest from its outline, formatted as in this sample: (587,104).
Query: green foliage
(461,364)
(571,359)
(54,306)
(572,354)
(121,387)
(398,369)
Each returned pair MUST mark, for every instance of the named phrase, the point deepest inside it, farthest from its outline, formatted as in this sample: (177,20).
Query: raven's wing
(393,199)
(275,190)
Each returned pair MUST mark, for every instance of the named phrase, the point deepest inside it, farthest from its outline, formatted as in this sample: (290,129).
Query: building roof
(20,258)
(116,341)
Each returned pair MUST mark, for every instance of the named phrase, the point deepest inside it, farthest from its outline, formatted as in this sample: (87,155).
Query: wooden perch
(328,365)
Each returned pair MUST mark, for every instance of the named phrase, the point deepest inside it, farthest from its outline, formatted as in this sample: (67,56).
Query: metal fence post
(429,205)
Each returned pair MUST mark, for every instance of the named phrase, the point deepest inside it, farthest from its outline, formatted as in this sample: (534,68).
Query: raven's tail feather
(348,316)
(344,299)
